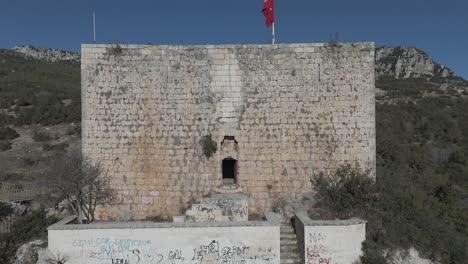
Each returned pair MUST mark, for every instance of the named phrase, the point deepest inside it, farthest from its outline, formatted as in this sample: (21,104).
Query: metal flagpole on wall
(273,33)
(94,27)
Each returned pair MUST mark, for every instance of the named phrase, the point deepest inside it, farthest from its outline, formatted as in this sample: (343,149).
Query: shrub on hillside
(404,209)
(5,210)
(5,145)
(26,228)
(74,130)
(56,147)
(349,192)
(41,135)
(7,133)
(5,119)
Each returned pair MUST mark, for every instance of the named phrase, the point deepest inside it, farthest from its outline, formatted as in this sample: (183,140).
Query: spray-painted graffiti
(127,251)
(212,209)
(317,252)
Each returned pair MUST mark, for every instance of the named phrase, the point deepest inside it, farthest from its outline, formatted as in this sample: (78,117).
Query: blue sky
(438,27)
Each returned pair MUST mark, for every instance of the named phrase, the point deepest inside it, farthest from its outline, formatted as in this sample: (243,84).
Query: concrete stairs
(289,250)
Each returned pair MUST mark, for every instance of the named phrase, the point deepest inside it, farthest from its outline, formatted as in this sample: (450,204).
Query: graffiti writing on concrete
(317,252)
(129,251)
(213,209)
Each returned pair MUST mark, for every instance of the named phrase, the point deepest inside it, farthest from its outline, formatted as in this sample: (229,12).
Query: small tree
(81,182)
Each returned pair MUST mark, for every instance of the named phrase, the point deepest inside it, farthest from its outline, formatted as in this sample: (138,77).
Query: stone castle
(278,114)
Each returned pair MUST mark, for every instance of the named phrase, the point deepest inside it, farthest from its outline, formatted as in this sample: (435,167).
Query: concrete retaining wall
(327,242)
(166,243)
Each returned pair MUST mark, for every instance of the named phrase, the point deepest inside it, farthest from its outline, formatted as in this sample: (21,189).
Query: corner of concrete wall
(330,241)
(301,217)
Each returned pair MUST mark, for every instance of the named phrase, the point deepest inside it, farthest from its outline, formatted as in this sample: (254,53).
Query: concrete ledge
(65,224)
(305,219)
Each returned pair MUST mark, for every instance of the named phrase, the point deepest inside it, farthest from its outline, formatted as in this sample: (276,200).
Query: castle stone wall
(294,110)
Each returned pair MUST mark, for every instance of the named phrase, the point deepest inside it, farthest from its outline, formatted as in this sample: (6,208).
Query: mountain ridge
(405,63)
(48,54)
(398,62)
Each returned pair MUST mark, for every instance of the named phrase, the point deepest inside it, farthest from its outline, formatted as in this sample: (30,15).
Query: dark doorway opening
(229,171)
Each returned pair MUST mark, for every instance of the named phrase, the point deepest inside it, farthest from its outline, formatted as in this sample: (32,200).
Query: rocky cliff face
(49,55)
(404,63)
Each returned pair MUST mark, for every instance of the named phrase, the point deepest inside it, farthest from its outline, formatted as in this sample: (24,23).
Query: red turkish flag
(268,12)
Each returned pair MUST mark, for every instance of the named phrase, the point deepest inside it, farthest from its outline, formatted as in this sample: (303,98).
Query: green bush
(41,135)
(74,130)
(209,146)
(350,192)
(5,210)
(25,229)
(7,133)
(5,145)
(5,119)
(56,147)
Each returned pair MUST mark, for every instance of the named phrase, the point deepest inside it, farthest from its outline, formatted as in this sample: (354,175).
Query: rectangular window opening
(229,171)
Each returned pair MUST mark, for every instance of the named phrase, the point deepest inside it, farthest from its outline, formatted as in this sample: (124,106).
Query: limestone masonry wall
(294,110)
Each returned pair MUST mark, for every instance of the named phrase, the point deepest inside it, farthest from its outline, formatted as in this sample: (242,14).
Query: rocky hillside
(49,55)
(403,73)
(405,63)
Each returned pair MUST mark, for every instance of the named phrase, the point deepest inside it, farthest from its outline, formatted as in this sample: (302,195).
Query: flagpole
(273,33)
(94,27)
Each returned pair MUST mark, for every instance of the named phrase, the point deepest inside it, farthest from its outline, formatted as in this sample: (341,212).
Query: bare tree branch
(81,183)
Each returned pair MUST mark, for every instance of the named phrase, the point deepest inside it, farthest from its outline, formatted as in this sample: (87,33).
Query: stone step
(288,235)
(290,255)
(290,247)
(290,261)
(288,242)
(289,251)
(290,258)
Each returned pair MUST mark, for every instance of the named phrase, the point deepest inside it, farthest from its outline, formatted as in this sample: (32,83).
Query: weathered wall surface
(219,208)
(327,242)
(164,243)
(294,110)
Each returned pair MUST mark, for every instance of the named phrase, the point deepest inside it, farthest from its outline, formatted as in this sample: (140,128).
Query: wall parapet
(329,241)
(165,243)
(65,224)
(304,218)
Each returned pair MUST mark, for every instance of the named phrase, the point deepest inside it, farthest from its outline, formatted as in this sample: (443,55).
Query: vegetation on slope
(25,229)
(420,198)
(35,90)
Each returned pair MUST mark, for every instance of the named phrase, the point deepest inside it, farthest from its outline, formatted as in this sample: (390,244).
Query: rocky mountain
(410,73)
(404,63)
(49,55)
